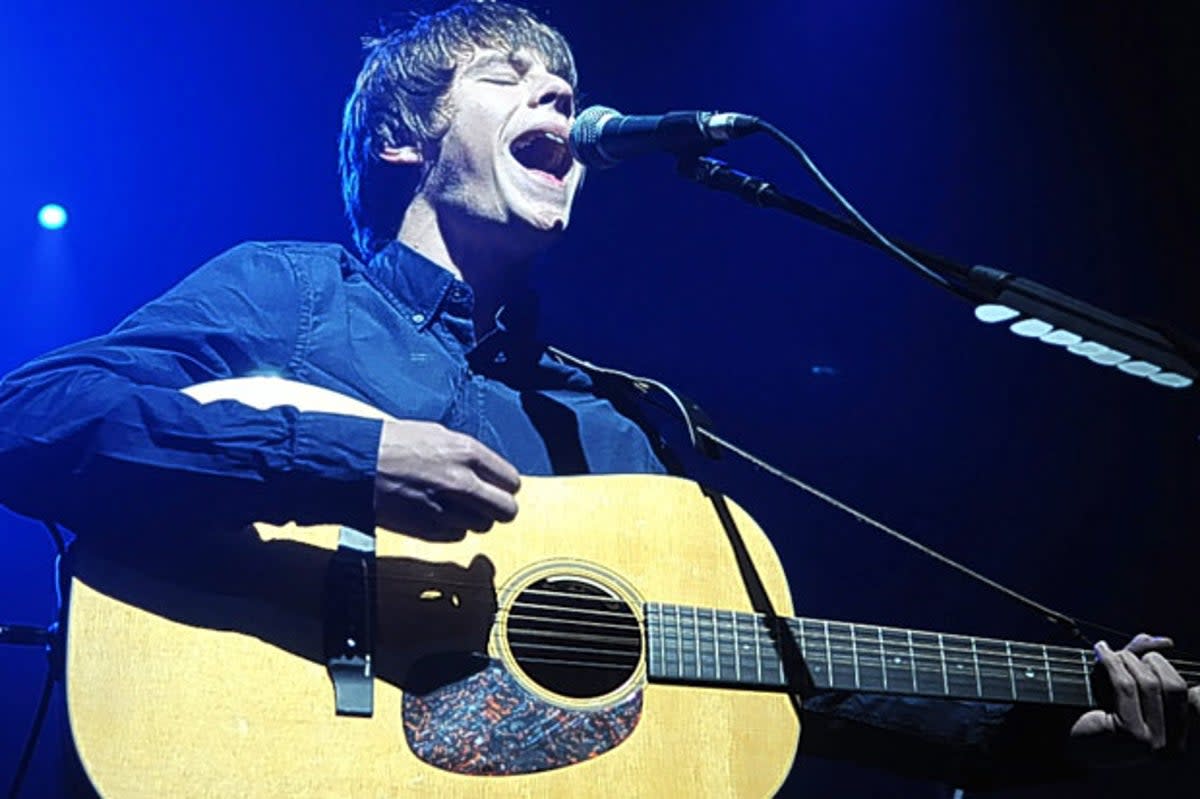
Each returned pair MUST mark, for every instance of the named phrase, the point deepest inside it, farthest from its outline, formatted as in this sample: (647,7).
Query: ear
(405,155)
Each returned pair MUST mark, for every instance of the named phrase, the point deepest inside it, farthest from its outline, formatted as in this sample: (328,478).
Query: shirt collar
(419,284)
(512,349)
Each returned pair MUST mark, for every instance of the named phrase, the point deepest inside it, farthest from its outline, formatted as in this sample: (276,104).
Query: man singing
(456,176)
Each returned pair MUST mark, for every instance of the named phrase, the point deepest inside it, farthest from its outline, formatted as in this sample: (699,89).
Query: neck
(482,254)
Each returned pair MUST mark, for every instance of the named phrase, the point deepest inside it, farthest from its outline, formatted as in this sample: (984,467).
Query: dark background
(1053,140)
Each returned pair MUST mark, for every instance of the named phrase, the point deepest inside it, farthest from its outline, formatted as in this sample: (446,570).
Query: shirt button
(418,318)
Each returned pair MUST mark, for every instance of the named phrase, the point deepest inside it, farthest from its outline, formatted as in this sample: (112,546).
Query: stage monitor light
(1031,327)
(52,216)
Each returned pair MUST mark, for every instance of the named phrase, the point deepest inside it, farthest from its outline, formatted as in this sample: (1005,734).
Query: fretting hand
(1151,710)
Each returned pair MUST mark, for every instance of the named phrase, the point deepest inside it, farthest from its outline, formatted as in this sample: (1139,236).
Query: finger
(485,499)
(430,528)
(1144,642)
(1150,698)
(1175,700)
(493,469)
(457,517)
(1126,699)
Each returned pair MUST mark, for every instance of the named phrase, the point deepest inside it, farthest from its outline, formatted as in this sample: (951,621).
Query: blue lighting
(52,216)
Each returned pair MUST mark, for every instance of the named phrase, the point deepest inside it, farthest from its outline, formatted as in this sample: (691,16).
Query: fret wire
(662,638)
(912,660)
(679,639)
(978,674)
(882,656)
(828,655)
(945,675)
(716,643)
(779,658)
(1049,679)
(854,655)
(1087,676)
(757,653)
(1012,675)
(696,632)
(737,649)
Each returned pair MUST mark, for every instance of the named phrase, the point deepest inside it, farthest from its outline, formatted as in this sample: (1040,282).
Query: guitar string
(843,655)
(1070,652)
(918,665)
(1072,658)
(1000,668)
(850,649)
(1000,674)
(949,644)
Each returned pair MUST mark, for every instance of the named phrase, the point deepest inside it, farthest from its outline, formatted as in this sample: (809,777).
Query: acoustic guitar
(604,642)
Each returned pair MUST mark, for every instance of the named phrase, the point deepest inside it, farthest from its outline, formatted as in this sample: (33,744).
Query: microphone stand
(1164,356)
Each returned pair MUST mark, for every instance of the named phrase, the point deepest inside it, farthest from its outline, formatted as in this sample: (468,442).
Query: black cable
(31,740)
(50,639)
(883,240)
(642,386)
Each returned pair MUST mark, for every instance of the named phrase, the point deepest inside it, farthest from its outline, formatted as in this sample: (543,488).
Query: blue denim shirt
(99,437)
(396,334)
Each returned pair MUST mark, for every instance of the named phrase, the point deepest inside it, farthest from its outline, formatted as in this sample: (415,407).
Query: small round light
(1061,338)
(1086,348)
(52,216)
(1031,328)
(1171,380)
(1109,357)
(1139,368)
(994,313)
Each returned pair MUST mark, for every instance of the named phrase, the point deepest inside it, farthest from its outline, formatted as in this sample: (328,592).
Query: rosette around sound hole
(574,637)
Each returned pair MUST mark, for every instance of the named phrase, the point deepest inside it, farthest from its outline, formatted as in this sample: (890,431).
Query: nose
(555,91)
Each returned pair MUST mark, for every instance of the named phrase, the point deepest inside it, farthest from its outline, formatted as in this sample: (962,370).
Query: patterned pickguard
(488,724)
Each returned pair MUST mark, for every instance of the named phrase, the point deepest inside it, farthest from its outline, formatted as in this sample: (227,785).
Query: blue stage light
(52,216)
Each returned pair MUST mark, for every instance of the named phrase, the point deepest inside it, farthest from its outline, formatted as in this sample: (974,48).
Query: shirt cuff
(333,469)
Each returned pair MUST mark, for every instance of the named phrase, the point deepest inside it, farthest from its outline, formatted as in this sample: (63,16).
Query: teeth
(555,159)
(525,141)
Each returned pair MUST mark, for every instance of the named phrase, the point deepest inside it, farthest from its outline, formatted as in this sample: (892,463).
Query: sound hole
(574,637)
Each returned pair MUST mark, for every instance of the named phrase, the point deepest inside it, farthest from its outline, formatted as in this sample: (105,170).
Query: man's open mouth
(543,151)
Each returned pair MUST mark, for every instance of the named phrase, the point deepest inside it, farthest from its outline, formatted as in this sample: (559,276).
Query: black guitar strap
(623,392)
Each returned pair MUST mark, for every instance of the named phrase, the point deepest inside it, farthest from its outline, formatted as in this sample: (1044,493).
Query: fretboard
(720,647)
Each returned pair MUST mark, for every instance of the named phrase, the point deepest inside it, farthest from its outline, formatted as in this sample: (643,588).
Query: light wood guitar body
(175,690)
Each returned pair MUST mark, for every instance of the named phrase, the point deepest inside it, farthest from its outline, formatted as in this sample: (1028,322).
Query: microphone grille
(585,135)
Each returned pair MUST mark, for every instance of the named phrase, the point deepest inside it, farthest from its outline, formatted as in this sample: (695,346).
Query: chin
(549,221)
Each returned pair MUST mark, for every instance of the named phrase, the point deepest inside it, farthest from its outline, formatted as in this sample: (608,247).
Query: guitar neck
(725,648)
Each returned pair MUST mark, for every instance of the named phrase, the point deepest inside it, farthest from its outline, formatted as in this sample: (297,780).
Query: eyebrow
(494,59)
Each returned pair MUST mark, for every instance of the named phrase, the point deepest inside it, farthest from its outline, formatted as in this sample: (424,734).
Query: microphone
(602,137)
